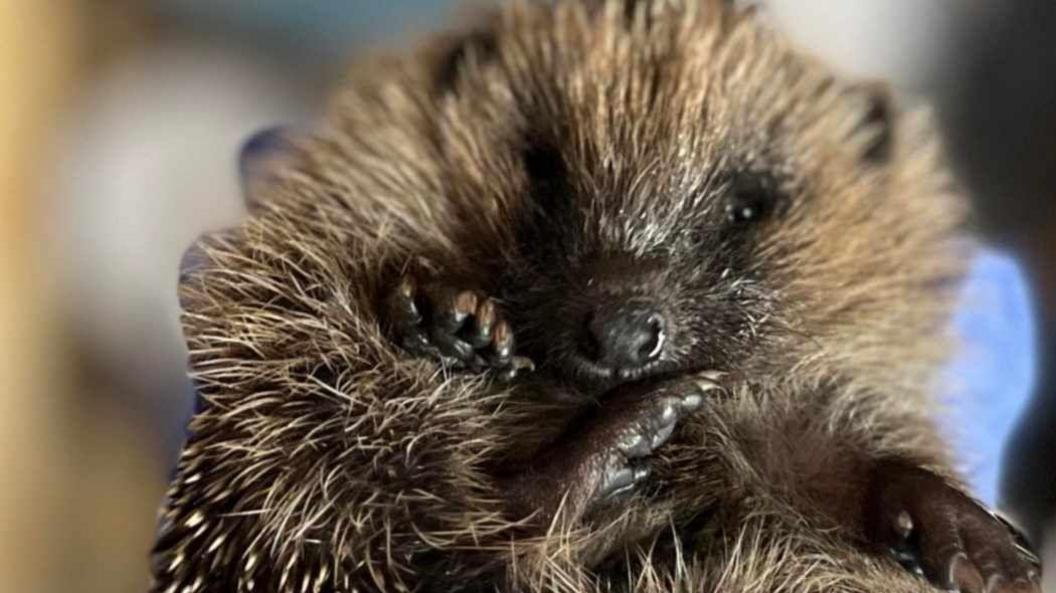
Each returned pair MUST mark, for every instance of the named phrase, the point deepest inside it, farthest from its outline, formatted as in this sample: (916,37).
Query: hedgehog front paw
(935,530)
(617,448)
(462,329)
(605,458)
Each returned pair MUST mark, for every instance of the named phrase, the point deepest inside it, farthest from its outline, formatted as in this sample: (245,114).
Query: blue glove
(989,382)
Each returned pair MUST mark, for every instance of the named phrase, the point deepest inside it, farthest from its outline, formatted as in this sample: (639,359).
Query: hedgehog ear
(878,115)
(264,153)
(476,42)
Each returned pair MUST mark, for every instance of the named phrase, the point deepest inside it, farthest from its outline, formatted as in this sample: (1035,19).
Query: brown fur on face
(547,166)
(557,154)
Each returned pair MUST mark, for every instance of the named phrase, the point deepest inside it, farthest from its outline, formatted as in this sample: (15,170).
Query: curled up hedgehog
(590,296)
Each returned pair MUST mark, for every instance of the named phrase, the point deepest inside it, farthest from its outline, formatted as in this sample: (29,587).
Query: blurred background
(120,123)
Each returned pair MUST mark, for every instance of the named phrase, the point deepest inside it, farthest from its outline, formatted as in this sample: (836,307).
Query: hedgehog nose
(626,337)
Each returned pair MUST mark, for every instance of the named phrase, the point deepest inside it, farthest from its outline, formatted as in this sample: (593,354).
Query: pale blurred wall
(902,41)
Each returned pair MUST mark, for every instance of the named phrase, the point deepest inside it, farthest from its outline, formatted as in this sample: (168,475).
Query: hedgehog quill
(588,296)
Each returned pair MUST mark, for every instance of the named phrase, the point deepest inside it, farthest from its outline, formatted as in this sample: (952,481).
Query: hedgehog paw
(936,531)
(460,328)
(605,460)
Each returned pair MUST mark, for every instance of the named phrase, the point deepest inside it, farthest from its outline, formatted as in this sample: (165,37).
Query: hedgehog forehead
(621,203)
(646,125)
(651,218)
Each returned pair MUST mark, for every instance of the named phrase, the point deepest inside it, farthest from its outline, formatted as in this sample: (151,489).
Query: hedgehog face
(677,190)
(623,285)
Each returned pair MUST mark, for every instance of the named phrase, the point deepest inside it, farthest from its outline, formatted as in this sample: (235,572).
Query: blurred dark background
(121,122)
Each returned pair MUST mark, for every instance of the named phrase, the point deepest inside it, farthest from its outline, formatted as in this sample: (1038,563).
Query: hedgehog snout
(624,336)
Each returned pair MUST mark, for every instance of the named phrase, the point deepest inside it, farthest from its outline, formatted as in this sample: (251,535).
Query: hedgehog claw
(518,365)
(462,329)
(934,530)
(623,481)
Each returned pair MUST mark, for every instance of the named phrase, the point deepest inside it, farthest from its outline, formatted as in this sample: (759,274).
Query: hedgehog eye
(750,203)
(746,209)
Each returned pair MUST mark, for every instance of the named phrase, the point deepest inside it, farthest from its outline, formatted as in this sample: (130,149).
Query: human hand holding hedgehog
(598,296)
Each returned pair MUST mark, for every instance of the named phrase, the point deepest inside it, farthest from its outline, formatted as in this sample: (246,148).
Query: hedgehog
(584,296)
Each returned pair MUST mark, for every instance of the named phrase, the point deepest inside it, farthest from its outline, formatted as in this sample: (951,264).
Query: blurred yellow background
(119,126)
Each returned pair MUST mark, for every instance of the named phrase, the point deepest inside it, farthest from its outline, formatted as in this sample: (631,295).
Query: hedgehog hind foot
(936,531)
